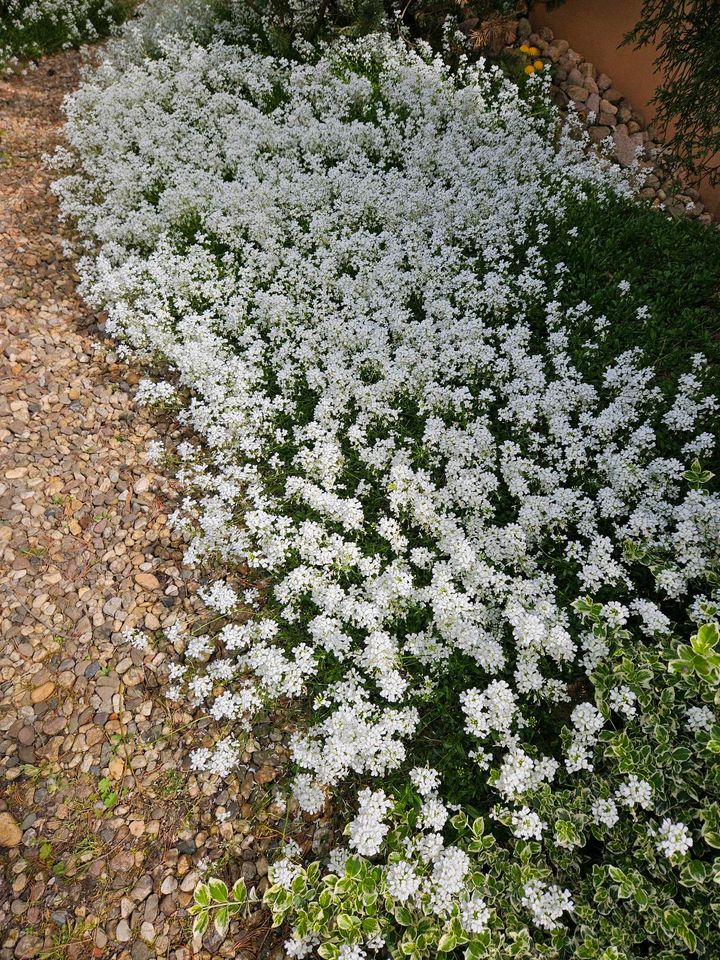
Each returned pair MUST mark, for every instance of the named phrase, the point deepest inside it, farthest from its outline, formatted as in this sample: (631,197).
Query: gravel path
(102,829)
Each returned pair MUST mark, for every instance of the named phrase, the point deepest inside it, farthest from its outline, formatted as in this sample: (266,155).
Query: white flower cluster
(634,793)
(73,19)
(587,722)
(137,639)
(605,812)
(492,710)
(546,903)
(622,700)
(527,825)
(674,838)
(699,718)
(379,199)
(368,829)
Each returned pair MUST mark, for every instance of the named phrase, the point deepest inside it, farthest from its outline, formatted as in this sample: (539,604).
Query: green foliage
(213,901)
(108,795)
(672,266)
(280,23)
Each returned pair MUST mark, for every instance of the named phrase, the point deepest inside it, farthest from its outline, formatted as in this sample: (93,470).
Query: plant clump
(490,542)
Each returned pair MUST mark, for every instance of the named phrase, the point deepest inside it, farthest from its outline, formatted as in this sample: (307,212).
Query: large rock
(576,93)
(599,133)
(626,145)
(604,82)
(557,49)
(593,103)
(10,832)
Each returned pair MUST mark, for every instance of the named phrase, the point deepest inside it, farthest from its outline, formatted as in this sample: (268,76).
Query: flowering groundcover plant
(29,28)
(490,543)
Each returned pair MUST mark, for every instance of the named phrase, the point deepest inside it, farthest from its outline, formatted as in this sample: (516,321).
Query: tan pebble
(10,832)
(122,861)
(116,768)
(147,580)
(43,692)
(266,774)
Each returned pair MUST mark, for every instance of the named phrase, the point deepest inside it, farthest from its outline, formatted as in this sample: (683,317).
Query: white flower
(402,881)
(489,710)
(634,793)
(546,903)
(527,825)
(300,947)
(137,639)
(433,815)
(220,597)
(337,859)
(283,872)
(587,719)
(674,838)
(605,812)
(699,718)
(368,829)
(309,794)
(447,879)
(622,700)
(351,951)
(425,780)
(474,914)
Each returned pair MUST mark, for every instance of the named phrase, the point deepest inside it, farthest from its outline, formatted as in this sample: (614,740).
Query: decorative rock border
(578,85)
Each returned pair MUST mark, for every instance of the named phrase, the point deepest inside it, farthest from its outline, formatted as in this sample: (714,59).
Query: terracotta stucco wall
(595,29)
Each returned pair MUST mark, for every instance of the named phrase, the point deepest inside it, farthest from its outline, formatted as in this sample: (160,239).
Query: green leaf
(447,942)
(712,838)
(222,921)
(202,895)
(403,916)
(218,890)
(705,640)
(693,873)
(239,891)
(201,924)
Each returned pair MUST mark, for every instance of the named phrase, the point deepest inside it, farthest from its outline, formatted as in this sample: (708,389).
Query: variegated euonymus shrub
(341,259)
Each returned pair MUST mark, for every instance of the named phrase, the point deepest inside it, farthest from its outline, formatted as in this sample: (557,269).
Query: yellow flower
(529,69)
(524,48)
(538,64)
(533,51)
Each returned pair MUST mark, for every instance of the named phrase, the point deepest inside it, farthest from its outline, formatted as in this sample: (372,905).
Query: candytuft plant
(30,28)
(490,523)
